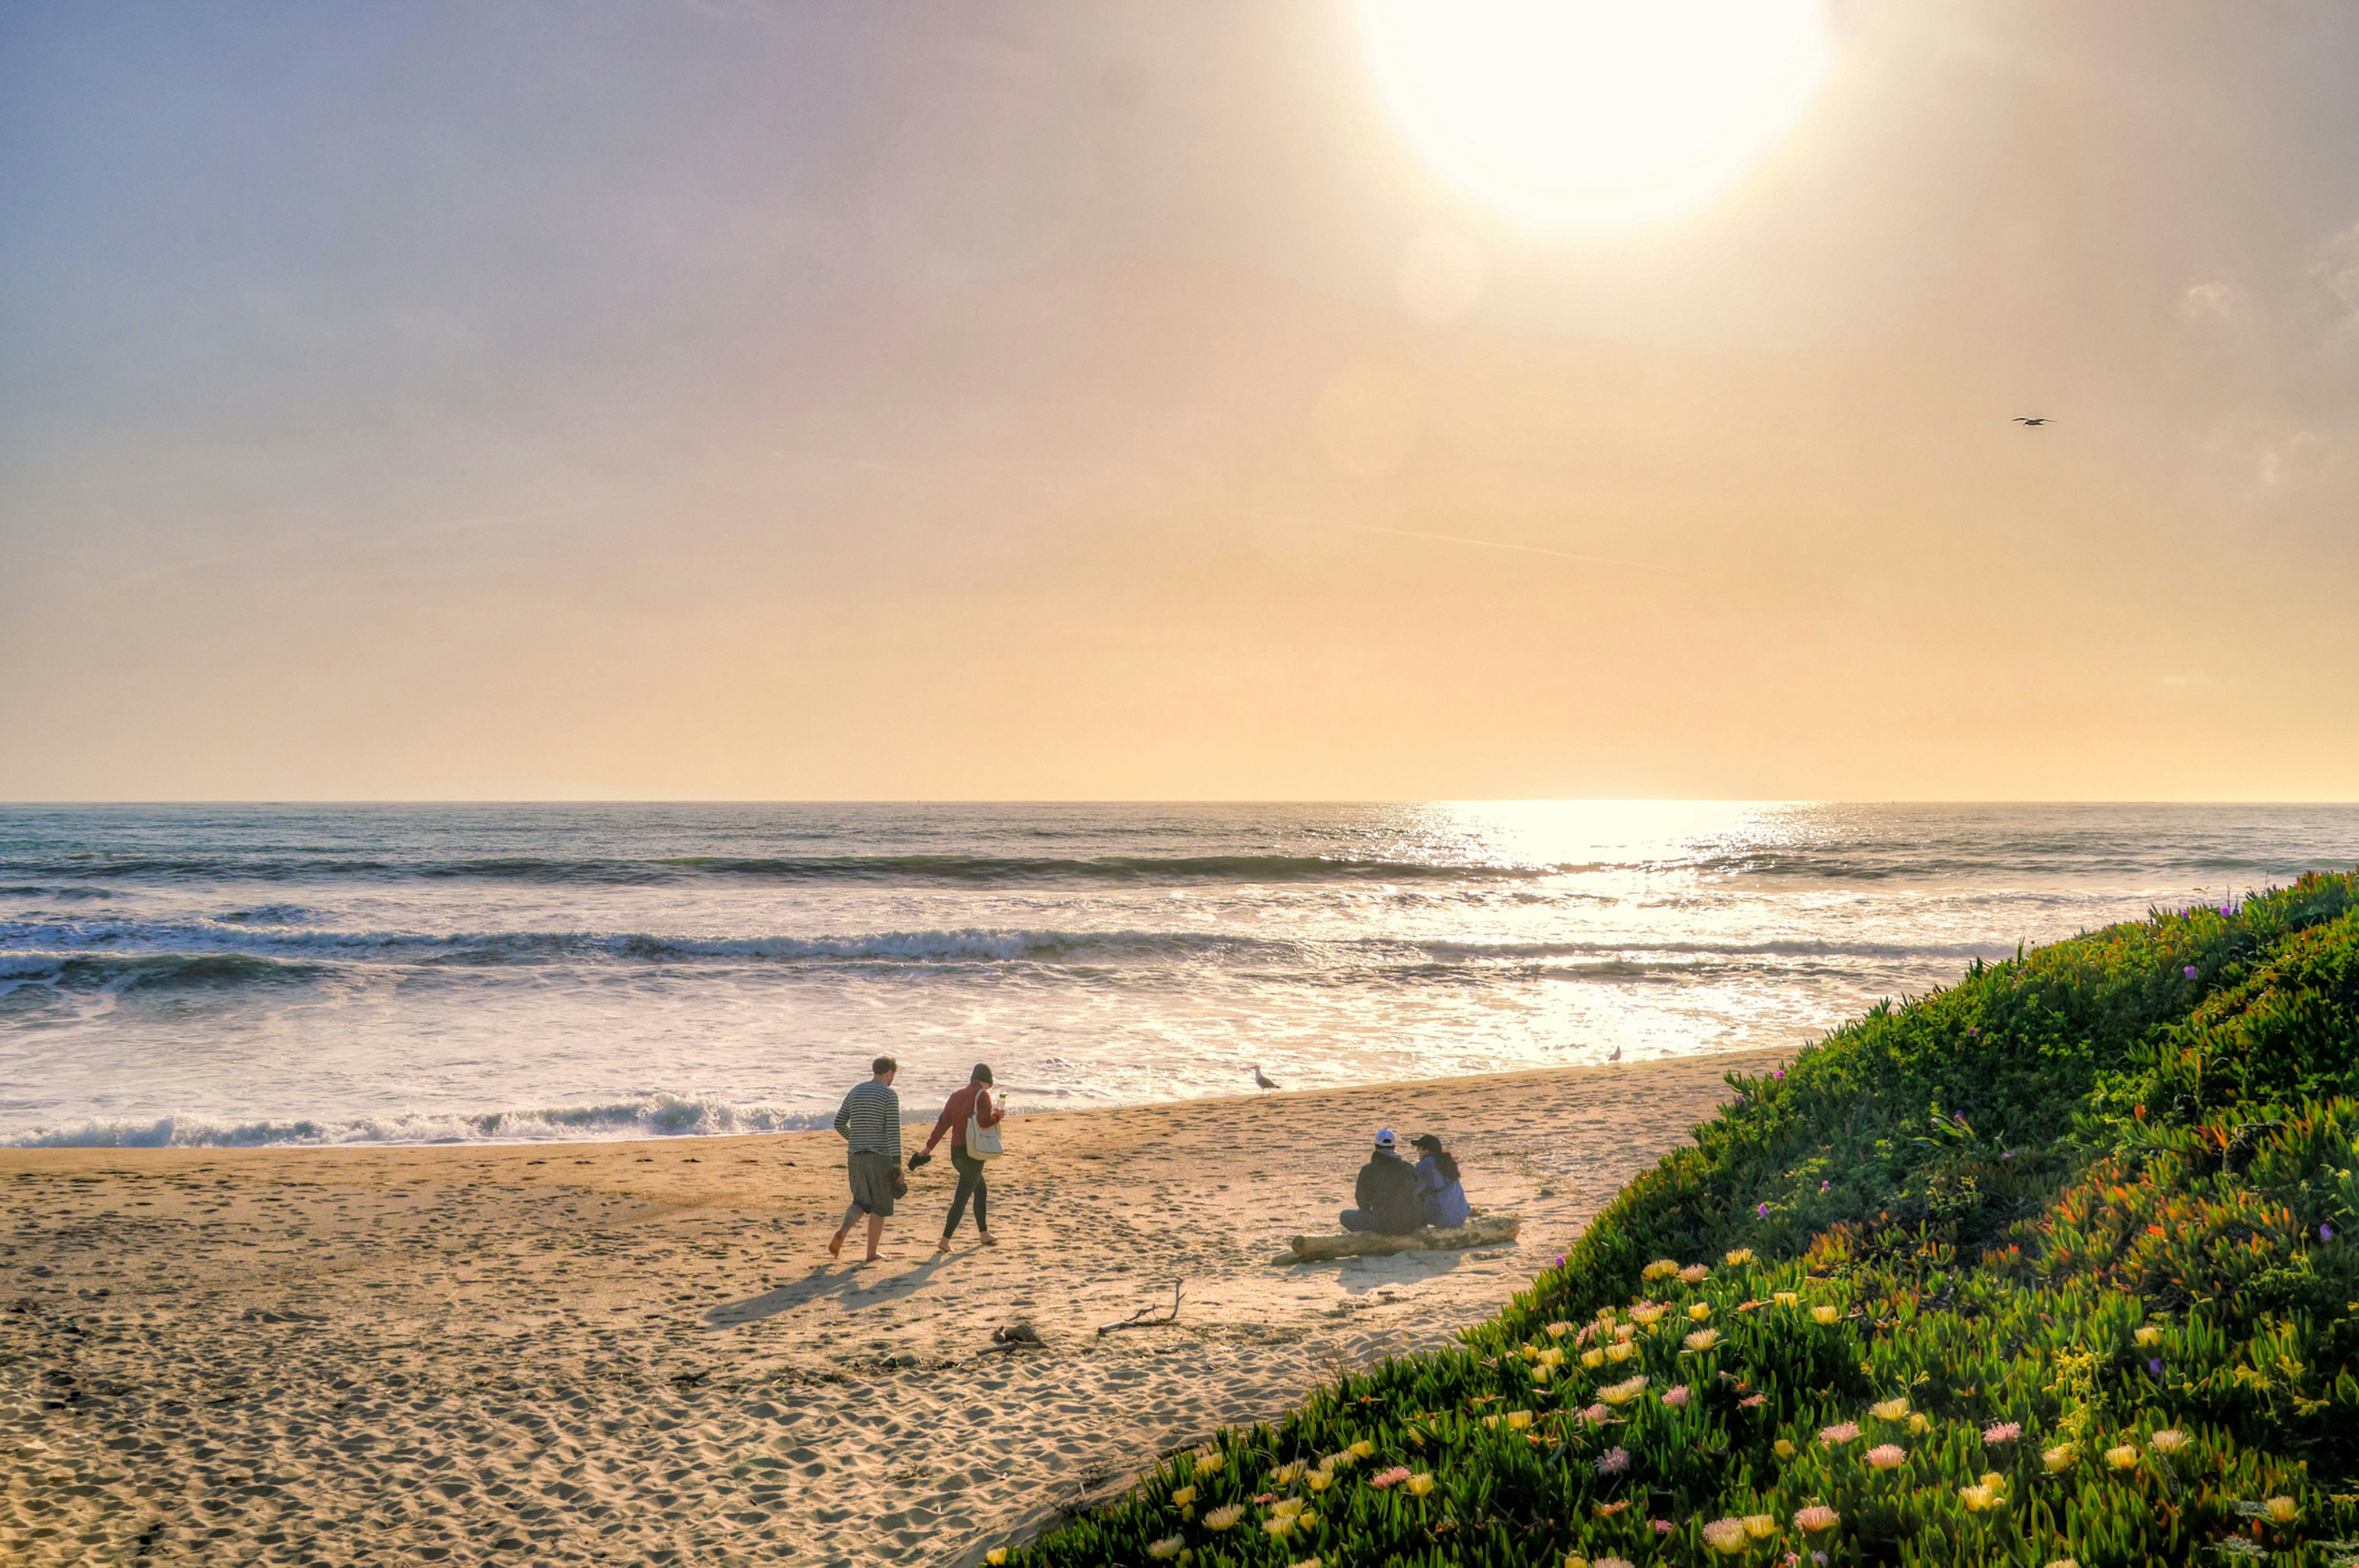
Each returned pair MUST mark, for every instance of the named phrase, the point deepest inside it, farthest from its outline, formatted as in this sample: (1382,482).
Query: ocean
(202,975)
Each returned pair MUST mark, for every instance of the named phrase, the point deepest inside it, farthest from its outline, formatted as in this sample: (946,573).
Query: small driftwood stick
(1145,1316)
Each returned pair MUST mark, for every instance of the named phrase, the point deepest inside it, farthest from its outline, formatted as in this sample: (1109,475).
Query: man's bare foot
(835,1245)
(943,1245)
(874,1257)
(989,1239)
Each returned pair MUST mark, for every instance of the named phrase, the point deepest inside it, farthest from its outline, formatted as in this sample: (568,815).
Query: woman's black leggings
(970,1170)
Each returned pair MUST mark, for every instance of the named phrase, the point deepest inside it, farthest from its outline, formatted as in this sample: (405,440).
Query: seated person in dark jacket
(1387,1192)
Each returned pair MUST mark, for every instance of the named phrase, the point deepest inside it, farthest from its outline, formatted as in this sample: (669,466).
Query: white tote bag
(982,1142)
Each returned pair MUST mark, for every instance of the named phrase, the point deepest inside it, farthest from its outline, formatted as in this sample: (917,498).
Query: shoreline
(793,1124)
(637,1350)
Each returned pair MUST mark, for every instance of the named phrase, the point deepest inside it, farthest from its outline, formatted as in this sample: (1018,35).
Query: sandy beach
(640,1352)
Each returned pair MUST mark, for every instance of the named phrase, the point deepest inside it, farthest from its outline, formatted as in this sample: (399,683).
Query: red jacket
(957,1110)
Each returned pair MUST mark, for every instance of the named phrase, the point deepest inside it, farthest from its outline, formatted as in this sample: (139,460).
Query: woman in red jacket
(972,1101)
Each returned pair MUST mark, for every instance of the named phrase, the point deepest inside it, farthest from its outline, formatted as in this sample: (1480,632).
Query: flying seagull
(1261,1080)
(2034,423)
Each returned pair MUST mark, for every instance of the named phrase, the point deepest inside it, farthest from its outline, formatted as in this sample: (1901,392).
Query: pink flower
(1841,1432)
(2004,1431)
(1676,1398)
(1614,1462)
(1392,1476)
(1885,1456)
(1662,1526)
(1595,1416)
(1752,1401)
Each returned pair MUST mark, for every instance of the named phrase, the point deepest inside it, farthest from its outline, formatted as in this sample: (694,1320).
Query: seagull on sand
(2033,424)
(1261,1079)
(1615,1055)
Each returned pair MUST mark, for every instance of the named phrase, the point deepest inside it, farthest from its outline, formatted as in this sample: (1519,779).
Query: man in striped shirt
(871,1123)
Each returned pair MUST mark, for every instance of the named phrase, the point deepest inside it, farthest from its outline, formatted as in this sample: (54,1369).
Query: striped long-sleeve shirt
(871,1120)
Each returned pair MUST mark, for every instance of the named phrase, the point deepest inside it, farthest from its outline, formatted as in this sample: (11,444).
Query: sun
(1571,114)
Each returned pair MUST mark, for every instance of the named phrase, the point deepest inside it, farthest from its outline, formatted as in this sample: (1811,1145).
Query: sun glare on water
(1572,115)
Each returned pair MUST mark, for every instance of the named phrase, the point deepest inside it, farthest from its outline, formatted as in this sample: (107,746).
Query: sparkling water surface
(331,973)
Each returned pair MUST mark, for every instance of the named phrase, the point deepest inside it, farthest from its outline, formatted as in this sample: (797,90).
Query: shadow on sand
(857,1286)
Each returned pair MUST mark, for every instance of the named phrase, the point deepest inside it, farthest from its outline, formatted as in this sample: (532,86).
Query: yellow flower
(1625,1331)
(1920,1423)
(1592,1357)
(1785,1298)
(1575,1560)
(1277,1525)
(1420,1483)
(1782,1449)
(1167,1547)
(2121,1458)
(995,1556)
(1826,1314)
(1702,1339)
(1700,1311)
(1739,1258)
(1208,1462)
(1308,1521)
(1361,1449)
(1558,1330)
(2148,1337)
(1287,1508)
(2064,1563)
(1287,1474)
(1648,1316)
(1224,1517)
(1551,1358)
(1518,1419)
(1320,1480)
(1306,1562)
(2059,1458)
(2282,1510)
(1661,1269)
(1620,1350)
(1979,1500)
(1623,1393)
(1540,1374)
(1726,1536)
(1889,1409)
(1760,1527)
(1182,1496)
(1994,1480)
(2170,1439)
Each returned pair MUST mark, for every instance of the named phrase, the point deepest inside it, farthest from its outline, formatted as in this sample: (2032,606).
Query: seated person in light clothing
(1387,1192)
(871,1124)
(1439,1190)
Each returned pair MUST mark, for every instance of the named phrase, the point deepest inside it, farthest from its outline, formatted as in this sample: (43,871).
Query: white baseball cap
(1385,1138)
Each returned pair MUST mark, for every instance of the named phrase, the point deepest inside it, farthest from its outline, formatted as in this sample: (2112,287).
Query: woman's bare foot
(943,1245)
(989,1239)
(835,1245)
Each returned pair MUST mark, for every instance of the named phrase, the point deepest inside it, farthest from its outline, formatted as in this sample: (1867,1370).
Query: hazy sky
(860,400)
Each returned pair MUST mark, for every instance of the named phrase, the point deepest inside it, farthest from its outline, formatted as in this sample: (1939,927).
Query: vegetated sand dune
(641,1352)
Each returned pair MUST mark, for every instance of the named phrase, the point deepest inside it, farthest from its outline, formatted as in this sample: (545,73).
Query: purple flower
(1559,1260)
(2326,1233)
(2191,971)
(1971,1031)
(1614,1462)
(2008,1156)
(1764,1211)
(1822,1186)
(1819,1558)
(2154,1365)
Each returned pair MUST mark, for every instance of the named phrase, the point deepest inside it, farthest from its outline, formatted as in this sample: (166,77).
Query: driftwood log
(1489,1230)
